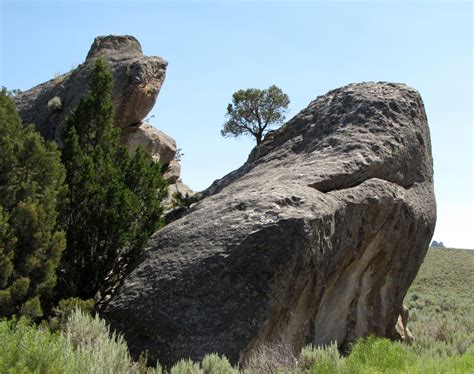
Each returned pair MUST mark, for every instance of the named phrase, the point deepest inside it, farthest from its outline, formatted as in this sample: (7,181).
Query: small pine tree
(32,190)
(253,112)
(114,199)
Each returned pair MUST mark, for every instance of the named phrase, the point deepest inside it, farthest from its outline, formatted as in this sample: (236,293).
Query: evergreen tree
(114,199)
(253,112)
(32,190)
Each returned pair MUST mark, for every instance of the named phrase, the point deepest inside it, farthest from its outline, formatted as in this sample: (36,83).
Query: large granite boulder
(316,238)
(137,82)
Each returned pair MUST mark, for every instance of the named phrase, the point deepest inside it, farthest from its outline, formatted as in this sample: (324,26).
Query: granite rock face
(316,238)
(137,83)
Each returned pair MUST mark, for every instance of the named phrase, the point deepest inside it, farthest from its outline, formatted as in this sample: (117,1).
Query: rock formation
(315,239)
(137,82)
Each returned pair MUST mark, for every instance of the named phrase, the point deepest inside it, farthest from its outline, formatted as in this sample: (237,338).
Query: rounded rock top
(123,45)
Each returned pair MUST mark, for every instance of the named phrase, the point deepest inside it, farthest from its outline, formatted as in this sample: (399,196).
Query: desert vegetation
(443,338)
(440,303)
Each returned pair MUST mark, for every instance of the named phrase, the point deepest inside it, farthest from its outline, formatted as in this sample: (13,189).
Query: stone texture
(316,238)
(158,145)
(172,171)
(137,82)
(402,331)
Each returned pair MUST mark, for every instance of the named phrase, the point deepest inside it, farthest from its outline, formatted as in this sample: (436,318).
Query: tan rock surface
(137,82)
(158,145)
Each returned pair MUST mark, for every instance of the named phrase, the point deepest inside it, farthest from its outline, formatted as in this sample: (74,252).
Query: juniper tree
(114,199)
(253,112)
(32,190)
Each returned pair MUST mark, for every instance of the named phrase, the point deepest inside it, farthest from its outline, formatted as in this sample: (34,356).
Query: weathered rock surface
(137,82)
(173,171)
(158,145)
(316,238)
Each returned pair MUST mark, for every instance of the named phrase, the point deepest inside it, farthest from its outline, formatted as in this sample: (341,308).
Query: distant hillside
(440,301)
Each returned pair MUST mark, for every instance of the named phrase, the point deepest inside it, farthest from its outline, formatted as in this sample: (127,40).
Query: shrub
(186,367)
(324,359)
(380,355)
(27,349)
(92,337)
(87,346)
(213,364)
(55,104)
(441,312)
(271,358)
(64,309)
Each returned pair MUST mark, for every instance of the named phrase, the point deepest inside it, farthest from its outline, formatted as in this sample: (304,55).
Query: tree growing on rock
(114,199)
(32,190)
(254,112)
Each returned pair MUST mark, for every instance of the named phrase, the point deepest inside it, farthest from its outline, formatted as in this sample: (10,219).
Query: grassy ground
(441,302)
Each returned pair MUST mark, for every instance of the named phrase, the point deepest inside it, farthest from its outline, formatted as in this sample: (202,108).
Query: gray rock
(137,82)
(316,238)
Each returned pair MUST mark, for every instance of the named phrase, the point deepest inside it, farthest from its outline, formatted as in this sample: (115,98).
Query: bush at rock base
(86,344)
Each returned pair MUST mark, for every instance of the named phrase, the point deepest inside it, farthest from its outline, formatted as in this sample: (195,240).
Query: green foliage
(64,309)
(27,349)
(380,355)
(213,363)
(11,93)
(324,359)
(55,105)
(32,190)
(440,303)
(86,346)
(180,200)
(179,154)
(91,337)
(375,355)
(114,199)
(253,112)
(186,367)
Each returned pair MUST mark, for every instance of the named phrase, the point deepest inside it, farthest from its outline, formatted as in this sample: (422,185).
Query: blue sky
(306,48)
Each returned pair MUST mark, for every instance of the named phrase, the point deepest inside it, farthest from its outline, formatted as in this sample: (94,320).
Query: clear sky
(307,48)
